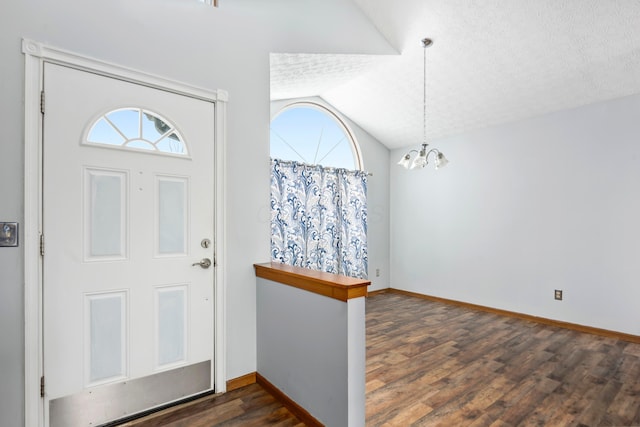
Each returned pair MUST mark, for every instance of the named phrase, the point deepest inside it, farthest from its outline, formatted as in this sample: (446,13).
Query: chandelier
(422,158)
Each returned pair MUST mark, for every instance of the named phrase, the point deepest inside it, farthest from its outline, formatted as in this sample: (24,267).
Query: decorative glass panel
(153,128)
(137,129)
(105,213)
(106,338)
(104,133)
(171,325)
(168,143)
(172,218)
(126,122)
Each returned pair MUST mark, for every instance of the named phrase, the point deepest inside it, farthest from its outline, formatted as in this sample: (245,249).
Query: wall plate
(8,234)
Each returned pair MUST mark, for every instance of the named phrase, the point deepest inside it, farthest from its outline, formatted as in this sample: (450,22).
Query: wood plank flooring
(433,364)
(249,406)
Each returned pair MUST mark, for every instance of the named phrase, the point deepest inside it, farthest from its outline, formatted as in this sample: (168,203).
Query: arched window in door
(309,133)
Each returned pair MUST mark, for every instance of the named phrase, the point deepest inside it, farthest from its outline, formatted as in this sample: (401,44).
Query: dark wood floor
(249,406)
(432,364)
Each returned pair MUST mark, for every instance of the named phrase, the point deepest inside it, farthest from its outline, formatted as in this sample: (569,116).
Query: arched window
(318,192)
(137,129)
(309,133)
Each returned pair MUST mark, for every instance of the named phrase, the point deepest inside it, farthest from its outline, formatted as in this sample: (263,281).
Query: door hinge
(42,386)
(42,101)
(42,245)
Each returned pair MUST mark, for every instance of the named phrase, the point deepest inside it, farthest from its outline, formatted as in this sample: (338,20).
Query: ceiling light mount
(422,159)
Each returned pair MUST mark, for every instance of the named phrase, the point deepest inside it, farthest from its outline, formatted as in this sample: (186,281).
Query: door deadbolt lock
(204,263)
(205,243)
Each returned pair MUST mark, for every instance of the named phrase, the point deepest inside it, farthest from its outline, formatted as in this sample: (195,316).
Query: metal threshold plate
(98,405)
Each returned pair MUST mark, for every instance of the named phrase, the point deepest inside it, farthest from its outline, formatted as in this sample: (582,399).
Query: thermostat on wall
(8,234)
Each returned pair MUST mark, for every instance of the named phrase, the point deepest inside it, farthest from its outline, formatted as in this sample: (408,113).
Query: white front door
(128,208)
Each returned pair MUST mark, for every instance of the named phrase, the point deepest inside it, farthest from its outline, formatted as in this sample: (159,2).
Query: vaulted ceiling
(491,62)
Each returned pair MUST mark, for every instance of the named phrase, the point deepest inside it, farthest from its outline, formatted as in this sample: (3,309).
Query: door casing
(36,54)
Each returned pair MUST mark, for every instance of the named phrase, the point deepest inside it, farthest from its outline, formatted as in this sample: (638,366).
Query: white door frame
(36,54)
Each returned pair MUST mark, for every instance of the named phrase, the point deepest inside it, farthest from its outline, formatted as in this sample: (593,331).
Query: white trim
(220,244)
(35,55)
(33,404)
(64,57)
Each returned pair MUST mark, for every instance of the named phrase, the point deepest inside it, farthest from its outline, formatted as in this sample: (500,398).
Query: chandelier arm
(408,153)
(434,151)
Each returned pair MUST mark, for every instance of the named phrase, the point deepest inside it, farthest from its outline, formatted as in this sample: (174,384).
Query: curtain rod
(289,162)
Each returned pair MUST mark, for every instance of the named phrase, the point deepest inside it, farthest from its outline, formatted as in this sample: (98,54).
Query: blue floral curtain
(319,218)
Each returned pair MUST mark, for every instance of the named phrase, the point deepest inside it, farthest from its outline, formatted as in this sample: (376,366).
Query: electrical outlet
(377,272)
(558,294)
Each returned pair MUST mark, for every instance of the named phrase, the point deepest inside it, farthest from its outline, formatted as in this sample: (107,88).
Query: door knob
(204,263)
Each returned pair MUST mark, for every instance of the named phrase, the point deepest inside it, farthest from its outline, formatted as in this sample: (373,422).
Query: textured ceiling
(491,62)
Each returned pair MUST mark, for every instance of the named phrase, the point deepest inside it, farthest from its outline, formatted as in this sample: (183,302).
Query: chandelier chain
(424,95)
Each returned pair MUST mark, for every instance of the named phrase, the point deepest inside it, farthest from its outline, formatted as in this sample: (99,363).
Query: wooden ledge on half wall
(335,286)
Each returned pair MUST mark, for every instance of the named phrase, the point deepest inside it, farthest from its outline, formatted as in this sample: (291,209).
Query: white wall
(225,48)
(312,348)
(375,157)
(525,208)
